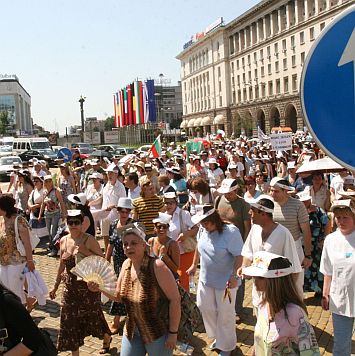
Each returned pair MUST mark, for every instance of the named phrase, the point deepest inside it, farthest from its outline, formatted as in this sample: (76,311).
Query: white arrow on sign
(349,55)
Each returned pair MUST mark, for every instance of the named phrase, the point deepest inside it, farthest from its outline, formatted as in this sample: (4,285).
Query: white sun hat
(163,219)
(79,198)
(202,212)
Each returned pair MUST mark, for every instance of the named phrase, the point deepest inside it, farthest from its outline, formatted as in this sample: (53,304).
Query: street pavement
(48,317)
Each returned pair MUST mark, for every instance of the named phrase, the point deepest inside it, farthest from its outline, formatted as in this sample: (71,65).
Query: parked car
(114,149)
(47,155)
(5,150)
(145,148)
(6,166)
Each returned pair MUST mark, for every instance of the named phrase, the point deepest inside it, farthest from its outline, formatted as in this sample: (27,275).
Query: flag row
(135,104)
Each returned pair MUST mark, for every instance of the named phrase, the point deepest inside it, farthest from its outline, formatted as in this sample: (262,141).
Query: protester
(81,314)
(24,188)
(66,183)
(115,250)
(218,251)
(338,267)
(282,325)
(143,281)
(12,263)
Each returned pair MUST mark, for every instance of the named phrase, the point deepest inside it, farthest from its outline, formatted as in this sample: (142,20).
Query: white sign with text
(281,141)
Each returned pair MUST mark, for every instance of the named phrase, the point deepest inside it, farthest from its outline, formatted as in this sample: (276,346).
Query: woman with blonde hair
(66,183)
(143,282)
(282,325)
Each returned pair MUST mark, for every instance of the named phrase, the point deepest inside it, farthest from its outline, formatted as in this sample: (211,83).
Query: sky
(63,49)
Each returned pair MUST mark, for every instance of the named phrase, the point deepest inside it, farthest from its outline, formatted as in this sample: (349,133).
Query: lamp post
(82,101)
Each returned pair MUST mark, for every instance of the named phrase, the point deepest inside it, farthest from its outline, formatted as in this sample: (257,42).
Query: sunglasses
(73,222)
(165,227)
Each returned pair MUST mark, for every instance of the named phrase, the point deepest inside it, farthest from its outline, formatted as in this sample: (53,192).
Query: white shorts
(12,278)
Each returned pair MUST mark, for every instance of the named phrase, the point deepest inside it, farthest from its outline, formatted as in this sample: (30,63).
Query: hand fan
(97,269)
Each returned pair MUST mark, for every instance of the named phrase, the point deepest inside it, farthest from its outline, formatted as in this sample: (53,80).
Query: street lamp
(82,101)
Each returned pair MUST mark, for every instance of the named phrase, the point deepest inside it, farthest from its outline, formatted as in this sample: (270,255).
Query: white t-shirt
(110,196)
(177,225)
(338,261)
(279,242)
(215,177)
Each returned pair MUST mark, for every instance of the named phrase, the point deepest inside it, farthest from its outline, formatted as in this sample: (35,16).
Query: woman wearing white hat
(219,247)
(215,174)
(282,325)
(115,250)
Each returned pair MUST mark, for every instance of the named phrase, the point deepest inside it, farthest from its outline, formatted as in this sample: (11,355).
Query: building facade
(247,73)
(16,102)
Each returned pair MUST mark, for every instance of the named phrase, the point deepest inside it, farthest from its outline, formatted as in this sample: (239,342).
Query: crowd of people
(234,210)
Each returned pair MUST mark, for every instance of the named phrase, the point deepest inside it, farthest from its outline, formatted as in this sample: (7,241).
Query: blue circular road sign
(65,153)
(328,89)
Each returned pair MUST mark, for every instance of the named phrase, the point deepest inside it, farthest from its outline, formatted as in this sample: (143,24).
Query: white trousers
(300,276)
(12,278)
(218,316)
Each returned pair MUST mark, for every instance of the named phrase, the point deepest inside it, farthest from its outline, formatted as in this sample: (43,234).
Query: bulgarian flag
(156,147)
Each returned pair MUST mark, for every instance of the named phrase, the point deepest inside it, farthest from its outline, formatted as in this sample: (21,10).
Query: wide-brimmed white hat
(281,183)
(269,265)
(134,228)
(170,195)
(163,219)
(212,160)
(112,168)
(79,198)
(228,185)
(343,203)
(174,170)
(263,202)
(96,175)
(202,212)
(48,177)
(125,203)
(304,196)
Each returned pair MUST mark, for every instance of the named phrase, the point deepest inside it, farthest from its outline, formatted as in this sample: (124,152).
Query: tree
(109,123)
(4,122)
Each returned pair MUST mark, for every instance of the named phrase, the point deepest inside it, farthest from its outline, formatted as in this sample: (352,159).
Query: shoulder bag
(34,240)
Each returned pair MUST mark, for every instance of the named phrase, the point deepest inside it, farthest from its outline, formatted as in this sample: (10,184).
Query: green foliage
(4,122)
(109,123)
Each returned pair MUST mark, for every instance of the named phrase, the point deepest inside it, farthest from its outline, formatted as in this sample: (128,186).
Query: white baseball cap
(163,219)
(228,185)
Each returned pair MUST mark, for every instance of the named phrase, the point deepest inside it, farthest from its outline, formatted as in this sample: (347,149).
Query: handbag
(190,243)
(34,240)
(191,319)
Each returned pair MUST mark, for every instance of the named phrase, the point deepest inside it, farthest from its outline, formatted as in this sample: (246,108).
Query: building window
(292,42)
(302,37)
(283,46)
(286,84)
(249,75)
(262,71)
(231,44)
(256,92)
(249,60)
(270,88)
(220,86)
(311,33)
(243,62)
(245,95)
(269,68)
(255,57)
(321,26)
(268,51)
(220,101)
(276,48)
(302,58)
(294,82)
(256,73)
(277,67)
(238,79)
(237,64)
(233,97)
(293,59)
(261,54)
(263,90)
(239,96)
(219,72)
(243,78)
(284,63)
(250,93)
(278,86)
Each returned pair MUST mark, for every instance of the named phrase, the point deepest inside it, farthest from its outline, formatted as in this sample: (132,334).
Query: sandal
(106,346)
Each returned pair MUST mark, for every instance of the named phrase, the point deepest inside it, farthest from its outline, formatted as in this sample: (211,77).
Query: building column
(288,16)
(271,25)
(264,26)
(283,121)
(305,10)
(245,37)
(257,32)
(316,7)
(279,19)
(296,12)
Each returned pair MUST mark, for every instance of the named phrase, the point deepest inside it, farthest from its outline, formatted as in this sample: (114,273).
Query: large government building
(246,73)
(16,102)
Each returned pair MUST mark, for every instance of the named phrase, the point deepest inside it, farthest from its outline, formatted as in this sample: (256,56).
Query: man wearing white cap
(111,193)
(37,168)
(267,235)
(234,209)
(292,214)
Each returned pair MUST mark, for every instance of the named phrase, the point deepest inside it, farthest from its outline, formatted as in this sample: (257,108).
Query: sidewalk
(48,317)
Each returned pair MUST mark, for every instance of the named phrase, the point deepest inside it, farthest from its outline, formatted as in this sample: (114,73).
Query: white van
(23,144)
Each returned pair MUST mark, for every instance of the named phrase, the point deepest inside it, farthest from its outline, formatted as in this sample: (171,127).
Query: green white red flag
(156,147)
